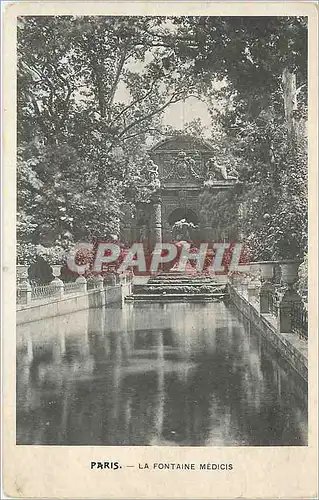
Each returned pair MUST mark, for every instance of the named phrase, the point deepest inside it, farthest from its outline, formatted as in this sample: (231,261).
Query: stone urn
(267,270)
(254,268)
(289,271)
(56,270)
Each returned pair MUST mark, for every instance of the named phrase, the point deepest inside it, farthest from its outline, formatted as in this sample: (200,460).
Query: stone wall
(283,343)
(49,308)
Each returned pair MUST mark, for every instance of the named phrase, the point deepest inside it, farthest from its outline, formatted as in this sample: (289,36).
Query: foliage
(302,283)
(91,93)
(276,203)
(26,253)
(263,122)
(87,88)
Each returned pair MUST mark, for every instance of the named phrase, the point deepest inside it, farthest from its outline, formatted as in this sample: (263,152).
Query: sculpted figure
(232,174)
(180,230)
(154,175)
(183,230)
(215,172)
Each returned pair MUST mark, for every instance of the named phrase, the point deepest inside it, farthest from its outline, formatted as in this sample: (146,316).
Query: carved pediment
(186,143)
(181,161)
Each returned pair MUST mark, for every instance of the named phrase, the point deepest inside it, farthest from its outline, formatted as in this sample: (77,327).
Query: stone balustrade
(57,289)
(276,298)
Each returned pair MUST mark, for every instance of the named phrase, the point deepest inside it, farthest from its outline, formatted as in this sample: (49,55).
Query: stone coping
(170,297)
(67,296)
(289,345)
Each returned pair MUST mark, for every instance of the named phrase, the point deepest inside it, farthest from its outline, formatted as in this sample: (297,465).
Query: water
(155,374)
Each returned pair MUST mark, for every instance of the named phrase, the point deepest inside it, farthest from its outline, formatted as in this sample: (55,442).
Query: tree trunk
(290,98)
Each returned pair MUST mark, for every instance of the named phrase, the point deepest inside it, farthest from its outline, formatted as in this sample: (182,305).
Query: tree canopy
(91,96)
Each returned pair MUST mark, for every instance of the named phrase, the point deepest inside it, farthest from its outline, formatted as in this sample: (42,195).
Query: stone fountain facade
(182,167)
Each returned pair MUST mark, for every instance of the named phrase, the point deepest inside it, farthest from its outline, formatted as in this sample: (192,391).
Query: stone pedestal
(289,275)
(100,283)
(244,285)
(25,292)
(267,288)
(82,282)
(59,285)
(111,279)
(253,289)
(100,288)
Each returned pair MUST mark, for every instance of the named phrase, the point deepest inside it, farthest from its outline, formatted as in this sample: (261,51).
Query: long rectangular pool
(175,374)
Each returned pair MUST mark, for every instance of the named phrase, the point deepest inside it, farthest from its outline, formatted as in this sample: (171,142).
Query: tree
(262,65)
(88,86)
(91,93)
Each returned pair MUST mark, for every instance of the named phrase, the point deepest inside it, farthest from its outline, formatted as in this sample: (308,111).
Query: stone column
(166,232)
(157,218)
(133,234)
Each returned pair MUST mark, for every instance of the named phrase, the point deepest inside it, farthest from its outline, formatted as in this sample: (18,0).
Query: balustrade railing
(292,314)
(299,319)
(34,292)
(273,303)
(44,291)
(72,287)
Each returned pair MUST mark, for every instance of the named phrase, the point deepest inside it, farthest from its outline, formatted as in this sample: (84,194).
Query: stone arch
(183,213)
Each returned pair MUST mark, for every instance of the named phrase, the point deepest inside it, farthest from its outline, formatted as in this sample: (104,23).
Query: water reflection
(154,374)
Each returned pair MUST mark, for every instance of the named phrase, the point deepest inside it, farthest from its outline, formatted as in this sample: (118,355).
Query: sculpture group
(184,167)
(217,172)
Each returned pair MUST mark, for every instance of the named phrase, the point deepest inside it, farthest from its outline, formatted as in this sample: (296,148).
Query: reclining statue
(232,174)
(217,172)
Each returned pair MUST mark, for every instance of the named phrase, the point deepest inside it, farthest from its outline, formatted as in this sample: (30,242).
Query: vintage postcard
(160,182)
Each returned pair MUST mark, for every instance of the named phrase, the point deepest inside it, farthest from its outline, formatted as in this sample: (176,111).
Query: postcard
(160,200)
